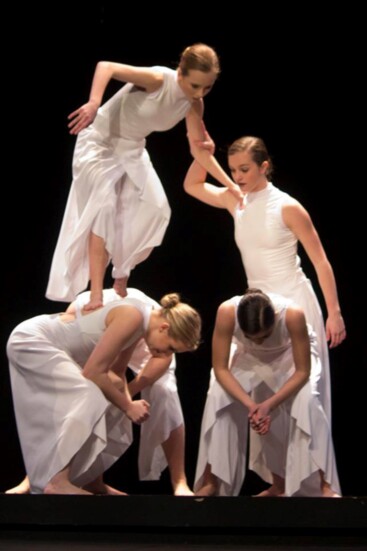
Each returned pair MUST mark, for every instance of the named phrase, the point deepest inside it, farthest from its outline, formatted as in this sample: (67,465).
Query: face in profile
(161,344)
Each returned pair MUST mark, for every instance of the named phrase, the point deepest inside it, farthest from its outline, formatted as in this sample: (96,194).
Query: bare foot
(207,490)
(64,488)
(94,303)
(182,489)
(273,491)
(22,488)
(103,489)
(328,492)
(120,286)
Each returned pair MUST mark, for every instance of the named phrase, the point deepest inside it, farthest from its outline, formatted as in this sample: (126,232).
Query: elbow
(304,377)
(91,375)
(187,187)
(145,381)
(88,374)
(103,65)
(200,155)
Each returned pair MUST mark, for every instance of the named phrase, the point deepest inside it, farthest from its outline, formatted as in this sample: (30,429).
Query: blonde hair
(199,57)
(184,321)
(256,147)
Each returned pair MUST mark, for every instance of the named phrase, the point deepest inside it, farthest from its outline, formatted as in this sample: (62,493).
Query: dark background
(292,76)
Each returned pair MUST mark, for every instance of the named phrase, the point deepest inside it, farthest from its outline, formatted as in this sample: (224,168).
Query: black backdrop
(288,75)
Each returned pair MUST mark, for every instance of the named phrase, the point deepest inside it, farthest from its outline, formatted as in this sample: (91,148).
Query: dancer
(261,341)
(73,420)
(267,232)
(117,209)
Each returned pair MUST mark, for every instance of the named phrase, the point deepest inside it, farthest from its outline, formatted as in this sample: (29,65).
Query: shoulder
(133,293)
(294,212)
(226,312)
(163,73)
(129,313)
(295,318)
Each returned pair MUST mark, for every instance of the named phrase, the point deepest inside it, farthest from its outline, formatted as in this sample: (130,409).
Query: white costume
(299,442)
(269,255)
(62,417)
(165,406)
(116,192)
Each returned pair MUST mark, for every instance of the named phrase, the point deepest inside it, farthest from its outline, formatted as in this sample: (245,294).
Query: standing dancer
(117,209)
(267,232)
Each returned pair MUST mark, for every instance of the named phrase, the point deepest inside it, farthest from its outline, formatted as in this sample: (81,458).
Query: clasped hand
(138,411)
(260,419)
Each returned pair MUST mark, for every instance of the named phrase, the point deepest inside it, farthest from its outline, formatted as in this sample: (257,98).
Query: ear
(264,167)
(163,326)
(179,73)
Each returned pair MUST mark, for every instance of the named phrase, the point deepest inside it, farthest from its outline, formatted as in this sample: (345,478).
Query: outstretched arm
(196,135)
(143,77)
(299,222)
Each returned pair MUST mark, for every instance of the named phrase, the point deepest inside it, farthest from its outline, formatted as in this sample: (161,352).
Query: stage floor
(71,523)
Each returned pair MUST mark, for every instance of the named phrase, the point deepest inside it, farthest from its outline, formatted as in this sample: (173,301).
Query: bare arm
(299,222)
(121,324)
(144,77)
(297,328)
(151,372)
(196,134)
(215,196)
(222,338)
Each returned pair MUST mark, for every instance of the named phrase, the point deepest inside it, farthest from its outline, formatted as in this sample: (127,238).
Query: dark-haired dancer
(262,342)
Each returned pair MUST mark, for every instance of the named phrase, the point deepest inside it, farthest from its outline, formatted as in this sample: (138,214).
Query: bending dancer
(72,405)
(262,342)
(267,232)
(117,209)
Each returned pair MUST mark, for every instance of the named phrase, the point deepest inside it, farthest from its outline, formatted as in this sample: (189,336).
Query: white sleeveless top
(132,113)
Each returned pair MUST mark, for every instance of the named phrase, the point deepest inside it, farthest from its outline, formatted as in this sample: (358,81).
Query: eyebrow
(245,165)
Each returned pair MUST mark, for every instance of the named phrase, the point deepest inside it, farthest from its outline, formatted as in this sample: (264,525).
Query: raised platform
(216,519)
